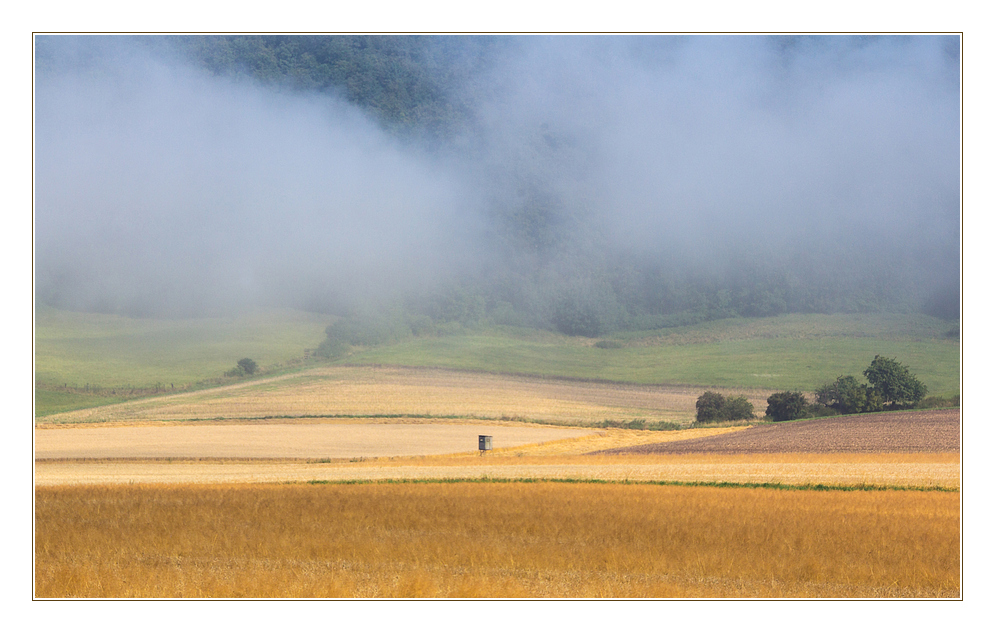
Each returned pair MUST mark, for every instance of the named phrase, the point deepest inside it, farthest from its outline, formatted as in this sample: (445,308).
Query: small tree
(894,383)
(248,366)
(786,405)
(738,408)
(709,407)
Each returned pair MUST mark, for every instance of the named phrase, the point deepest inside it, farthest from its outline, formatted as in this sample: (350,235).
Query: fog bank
(609,169)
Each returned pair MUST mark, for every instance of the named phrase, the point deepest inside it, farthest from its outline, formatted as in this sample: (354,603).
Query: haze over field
(614,176)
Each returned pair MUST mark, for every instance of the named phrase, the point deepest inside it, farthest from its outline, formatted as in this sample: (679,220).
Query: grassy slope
(786,352)
(78,349)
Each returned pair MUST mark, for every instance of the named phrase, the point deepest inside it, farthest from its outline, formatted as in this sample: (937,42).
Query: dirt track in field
(894,432)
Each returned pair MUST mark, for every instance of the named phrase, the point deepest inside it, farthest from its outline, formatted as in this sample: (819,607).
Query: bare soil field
(372,391)
(895,432)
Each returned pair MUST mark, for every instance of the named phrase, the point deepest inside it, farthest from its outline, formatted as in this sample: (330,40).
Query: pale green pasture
(799,352)
(77,349)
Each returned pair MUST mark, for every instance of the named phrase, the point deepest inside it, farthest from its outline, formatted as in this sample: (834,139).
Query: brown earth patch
(894,431)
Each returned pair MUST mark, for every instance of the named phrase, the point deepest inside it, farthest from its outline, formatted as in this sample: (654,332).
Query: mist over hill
(580,183)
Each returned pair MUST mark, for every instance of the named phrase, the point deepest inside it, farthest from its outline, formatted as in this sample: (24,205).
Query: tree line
(890,386)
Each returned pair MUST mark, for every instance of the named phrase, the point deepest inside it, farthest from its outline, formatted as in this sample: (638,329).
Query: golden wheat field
(393,391)
(207,495)
(452,540)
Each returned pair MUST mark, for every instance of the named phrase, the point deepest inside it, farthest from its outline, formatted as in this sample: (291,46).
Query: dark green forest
(546,265)
(410,83)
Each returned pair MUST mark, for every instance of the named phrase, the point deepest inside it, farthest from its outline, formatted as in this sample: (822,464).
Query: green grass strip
(706,484)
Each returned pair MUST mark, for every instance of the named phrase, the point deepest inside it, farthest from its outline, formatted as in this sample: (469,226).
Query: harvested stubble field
(415,449)
(941,471)
(895,431)
(530,462)
(393,391)
(541,540)
(286,441)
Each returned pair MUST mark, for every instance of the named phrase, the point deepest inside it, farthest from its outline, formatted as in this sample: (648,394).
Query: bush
(709,407)
(244,367)
(738,408)
(714,407)
(847,396)
(816,410)
(248,366)
(786,405)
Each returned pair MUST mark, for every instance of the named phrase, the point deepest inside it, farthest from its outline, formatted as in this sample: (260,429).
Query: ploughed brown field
(890,432)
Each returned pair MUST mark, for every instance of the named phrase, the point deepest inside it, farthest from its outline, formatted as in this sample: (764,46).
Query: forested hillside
(412,83)
(586,215)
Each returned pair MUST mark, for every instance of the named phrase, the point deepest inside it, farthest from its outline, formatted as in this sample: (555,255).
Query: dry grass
(358,438)
(371,391)
(883,470)
(284,440)
(223,454)
(493,540)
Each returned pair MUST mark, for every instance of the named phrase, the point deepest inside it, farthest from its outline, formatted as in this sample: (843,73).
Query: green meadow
(797,352)
(84,360)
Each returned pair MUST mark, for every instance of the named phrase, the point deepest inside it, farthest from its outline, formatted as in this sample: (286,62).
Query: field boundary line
(627,482)
(534,376)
